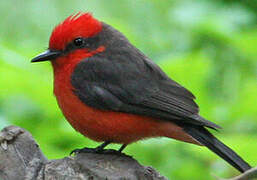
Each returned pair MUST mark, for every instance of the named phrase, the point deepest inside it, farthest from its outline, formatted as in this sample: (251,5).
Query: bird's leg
(98,149)
(102,146)
(122,147)
(113,151)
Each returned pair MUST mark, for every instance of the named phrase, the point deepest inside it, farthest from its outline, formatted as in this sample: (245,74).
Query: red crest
(79,25)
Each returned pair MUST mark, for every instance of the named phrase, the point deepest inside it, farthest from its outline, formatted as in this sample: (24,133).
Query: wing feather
(124,88)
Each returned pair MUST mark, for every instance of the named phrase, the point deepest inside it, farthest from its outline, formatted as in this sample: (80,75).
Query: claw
(95,150)
(86,150)
(98,149)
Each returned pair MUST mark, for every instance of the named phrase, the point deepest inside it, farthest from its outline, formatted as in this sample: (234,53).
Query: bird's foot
(99,149)
(95,150)
(85,150)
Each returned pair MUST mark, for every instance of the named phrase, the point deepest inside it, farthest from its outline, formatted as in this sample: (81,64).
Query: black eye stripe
(79,43)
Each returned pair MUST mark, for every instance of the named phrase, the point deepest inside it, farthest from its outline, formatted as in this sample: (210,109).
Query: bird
(111,92)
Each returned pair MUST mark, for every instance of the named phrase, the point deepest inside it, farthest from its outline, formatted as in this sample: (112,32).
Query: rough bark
(21,158)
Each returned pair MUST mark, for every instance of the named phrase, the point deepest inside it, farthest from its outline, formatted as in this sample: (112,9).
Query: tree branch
(21,158)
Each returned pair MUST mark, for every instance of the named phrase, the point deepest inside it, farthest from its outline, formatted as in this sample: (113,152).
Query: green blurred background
(210,47)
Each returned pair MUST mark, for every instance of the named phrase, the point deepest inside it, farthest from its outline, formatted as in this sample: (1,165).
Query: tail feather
(203,136)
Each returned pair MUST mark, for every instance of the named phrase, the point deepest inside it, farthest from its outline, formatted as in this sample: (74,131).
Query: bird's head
(76,36)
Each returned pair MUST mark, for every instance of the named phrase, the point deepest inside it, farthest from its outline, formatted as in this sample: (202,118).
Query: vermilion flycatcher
(110,91)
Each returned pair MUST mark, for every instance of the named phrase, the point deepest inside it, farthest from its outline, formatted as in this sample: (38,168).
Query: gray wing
(138,88)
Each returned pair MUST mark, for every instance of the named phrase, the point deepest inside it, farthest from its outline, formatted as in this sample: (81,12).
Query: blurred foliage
(208,46)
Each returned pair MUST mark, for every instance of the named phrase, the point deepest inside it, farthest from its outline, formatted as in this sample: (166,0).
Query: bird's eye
(78,42)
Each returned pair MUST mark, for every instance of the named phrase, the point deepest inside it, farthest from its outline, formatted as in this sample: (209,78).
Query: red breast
(105,125)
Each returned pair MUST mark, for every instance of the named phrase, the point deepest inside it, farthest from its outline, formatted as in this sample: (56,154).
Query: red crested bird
(110,91)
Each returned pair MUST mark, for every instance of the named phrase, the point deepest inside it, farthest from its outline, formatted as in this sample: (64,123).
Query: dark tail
(203,136)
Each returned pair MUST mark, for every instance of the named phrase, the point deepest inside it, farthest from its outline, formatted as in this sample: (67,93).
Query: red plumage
(93,123)
(102,125)
(79,25)
(110,91)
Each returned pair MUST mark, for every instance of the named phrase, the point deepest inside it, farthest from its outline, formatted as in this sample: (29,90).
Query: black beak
(46,56)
